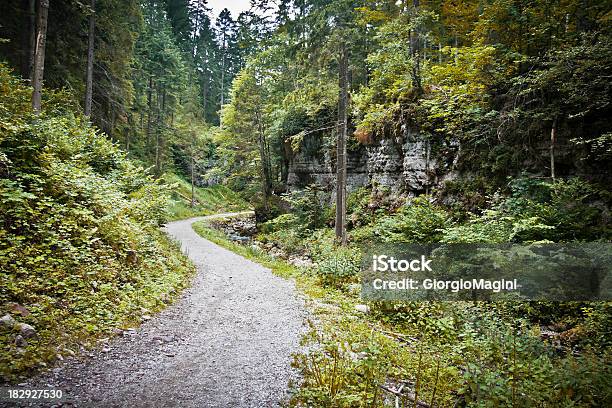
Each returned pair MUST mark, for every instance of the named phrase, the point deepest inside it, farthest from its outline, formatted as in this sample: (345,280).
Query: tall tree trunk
(160,126)
(223,79)
(268,162)
(204,96)
(223,72)
(194,37)
(113,120)
(131,131)
(90,60)
(553,140)
(39,54)
(415,51)
(149,112)
(131,128)
(265,162)
(341,146)
(32,40)
(192,179)
(157,166)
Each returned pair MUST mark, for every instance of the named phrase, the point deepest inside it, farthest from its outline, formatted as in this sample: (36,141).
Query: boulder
(20,341)
(7,322)
(16,308)
(26,330)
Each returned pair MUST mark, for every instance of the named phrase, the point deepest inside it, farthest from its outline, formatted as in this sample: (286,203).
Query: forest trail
(227,342)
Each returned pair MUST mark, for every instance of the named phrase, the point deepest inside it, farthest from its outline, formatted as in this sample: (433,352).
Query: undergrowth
(81,252)
(444,354)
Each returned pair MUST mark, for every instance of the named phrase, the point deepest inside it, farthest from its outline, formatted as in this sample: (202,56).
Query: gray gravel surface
(226,343)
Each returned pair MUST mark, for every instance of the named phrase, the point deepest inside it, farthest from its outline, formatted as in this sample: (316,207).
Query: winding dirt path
(226,343)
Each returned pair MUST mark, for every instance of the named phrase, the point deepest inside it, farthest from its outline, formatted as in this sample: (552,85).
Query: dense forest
(343,124)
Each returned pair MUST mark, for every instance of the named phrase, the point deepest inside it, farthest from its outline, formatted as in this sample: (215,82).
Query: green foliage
(339,266)
(444,354)
(309,207)
(285,232)
(244,124)
(280,223)
(209,200)
(358,208)
(490,227)
(538,210)
(418,221)
(346,368)
(336,265)
(116,28)
(476,354)
(598,325)
(568,84)
(79,240)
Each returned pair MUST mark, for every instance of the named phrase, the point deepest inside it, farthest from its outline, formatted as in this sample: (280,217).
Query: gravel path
(226,343)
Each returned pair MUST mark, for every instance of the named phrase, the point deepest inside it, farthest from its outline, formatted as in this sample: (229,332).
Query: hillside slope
(80,249)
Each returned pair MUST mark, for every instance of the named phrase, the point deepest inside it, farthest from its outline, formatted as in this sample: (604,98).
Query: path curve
(227,342)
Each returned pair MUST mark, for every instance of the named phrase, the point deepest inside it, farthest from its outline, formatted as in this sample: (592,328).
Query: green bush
(283,231)
(274,207)
(455,354)
(282,222)
(492,227)
(336,265)
(339,267)
(358,209)
(564,205)
(538,210)
(419,221)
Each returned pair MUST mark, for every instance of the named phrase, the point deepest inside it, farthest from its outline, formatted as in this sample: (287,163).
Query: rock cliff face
(319,167)
(402,166)
(411,165)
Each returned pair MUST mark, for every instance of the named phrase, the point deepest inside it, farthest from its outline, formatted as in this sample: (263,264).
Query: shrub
(282,222)
(284,231)
(335,265)
(419,221)
(339,267)
(358,209)
(537,211)
(564,205)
